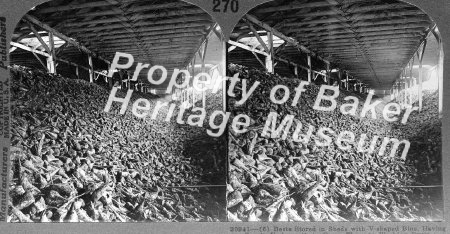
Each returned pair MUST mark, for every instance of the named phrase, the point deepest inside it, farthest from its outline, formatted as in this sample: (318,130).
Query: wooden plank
(29,49)
(35,21)
(12,49)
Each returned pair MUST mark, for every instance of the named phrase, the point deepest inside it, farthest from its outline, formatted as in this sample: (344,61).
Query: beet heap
(271,179)
(71,161)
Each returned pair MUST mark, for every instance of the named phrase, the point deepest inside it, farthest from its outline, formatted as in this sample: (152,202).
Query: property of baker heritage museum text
(143,111)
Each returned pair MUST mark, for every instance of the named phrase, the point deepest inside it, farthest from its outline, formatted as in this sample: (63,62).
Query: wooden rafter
(202,41)
(46,27)
(70,7)
(289,40)
(36,34)
(254,50)
(258,37)
(358,43)
(156,23)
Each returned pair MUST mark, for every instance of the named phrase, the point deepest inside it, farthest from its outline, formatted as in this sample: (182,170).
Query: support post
(440,73)
(194,100)
(224,82)
(51,67)
(405,93)
(411,84)
(296,71)
(328,76)
(204,70)
(269,58)
(309,69)
(77,71)
(346,81)
(339,78)
(420,89)
(91,69)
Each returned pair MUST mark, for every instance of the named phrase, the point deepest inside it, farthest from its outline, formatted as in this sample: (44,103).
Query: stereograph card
(224,116)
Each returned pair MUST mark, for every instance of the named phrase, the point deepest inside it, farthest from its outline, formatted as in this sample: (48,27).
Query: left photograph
(117,113)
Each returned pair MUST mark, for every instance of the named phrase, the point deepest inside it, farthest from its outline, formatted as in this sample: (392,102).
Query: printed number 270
(232,5)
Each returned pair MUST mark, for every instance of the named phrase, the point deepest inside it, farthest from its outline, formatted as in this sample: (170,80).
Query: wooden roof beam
(372,50)
(29,49)
(151,36)
(255,51)
(378,7)
(289,40)
(170,9)
(149,40)
(387,14)
(365,30)
(163,6)
(114,19)
(405,22)
(363,38)
(296,6)
(157,50)
(389,34)
(256,34)
(368,44)
(331,13)
(366,40)
(156,25)
(334,29)
(69,7)
(147,31)
(361,17)
(71,41)
(36,34)
(126,47)
(202,41)
(355,40)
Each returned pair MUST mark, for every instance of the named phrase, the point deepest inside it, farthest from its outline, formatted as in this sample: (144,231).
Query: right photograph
(337,108)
